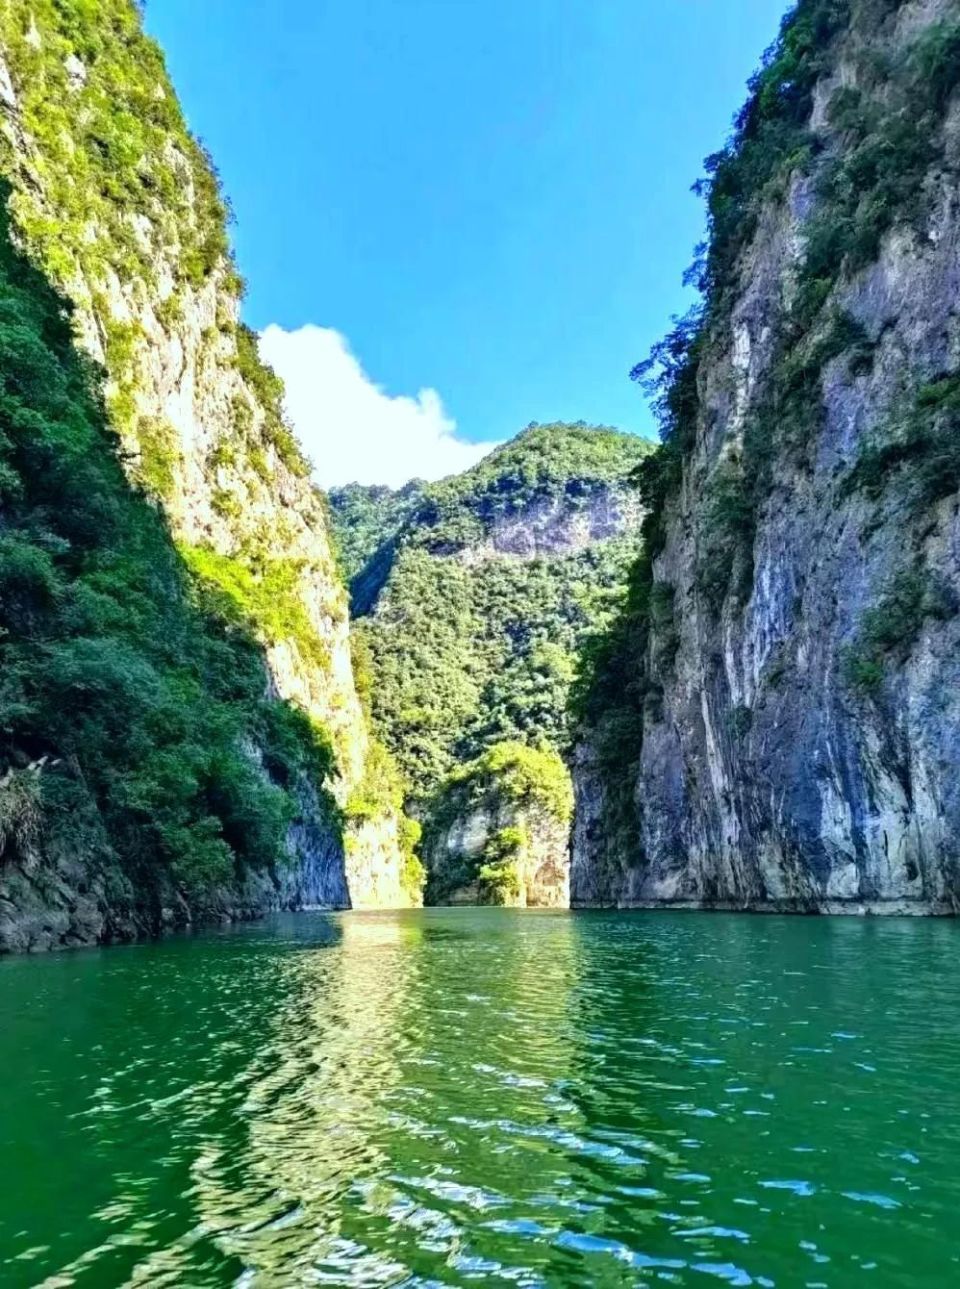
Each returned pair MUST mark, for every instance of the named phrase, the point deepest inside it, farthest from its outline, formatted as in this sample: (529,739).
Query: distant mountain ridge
(476,592)
(550,489)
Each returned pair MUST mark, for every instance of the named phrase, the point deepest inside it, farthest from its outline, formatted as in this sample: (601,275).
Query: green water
(487,1097)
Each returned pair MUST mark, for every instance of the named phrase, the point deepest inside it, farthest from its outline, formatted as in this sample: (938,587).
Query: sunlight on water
(482,1097)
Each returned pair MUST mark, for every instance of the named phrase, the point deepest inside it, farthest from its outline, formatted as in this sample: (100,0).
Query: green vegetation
(616,687)
(544,464)
(267,386)
(525,776)
(499,874)
(508,779)
(379,796)
(413,875)
(889,628)
(380,793)
(886,136)
(865,179)
(918,457)
(113,146)
(364,517)
(462,653)
(128,697)
(259,592)
(111,189)
(119,207)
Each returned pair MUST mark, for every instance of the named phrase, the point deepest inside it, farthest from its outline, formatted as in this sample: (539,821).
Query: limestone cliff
(120,207)
(777,720)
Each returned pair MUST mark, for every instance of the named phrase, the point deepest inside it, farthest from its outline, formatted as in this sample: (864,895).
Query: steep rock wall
(797,729)
(120,207)
(549,529)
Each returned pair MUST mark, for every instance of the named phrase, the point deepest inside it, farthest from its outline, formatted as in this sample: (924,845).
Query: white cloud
(350,429)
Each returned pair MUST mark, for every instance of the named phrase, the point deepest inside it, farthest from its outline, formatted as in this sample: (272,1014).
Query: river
(487,1097)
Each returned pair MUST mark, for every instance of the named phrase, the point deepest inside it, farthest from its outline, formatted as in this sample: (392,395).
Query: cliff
(113,201)
(774,721)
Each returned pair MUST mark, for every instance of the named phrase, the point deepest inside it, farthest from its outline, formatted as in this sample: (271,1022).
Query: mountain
(480,591)
(774,720)
(181,735)
(365,516)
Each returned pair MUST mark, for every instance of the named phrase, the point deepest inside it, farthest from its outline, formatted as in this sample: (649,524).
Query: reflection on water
(482,1096)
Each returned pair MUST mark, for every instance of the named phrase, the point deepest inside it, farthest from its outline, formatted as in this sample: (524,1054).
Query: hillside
(208,665)
(775,719)
(365,516)
(487,590)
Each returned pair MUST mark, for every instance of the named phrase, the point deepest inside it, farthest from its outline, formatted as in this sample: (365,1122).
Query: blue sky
(484,200)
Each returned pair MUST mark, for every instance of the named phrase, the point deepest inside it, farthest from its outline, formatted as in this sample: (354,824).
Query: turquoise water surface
(487,1097)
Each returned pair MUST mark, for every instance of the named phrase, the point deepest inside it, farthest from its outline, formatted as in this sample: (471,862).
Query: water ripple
(482,1097)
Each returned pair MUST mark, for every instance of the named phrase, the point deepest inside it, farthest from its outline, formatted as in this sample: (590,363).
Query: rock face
(499,832)
(553,528)
(119,206)
(797,732)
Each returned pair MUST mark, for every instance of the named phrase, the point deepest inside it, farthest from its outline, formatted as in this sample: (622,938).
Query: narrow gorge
(473,599)
(589,671)
(400,844)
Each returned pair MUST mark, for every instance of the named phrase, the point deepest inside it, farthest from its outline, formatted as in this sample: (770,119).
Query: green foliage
(224,453)
(366,516)
(511,771)
(114,145)
(547,465)
(260,593)
(127,704)
(464,653)
(888,142)
(889,628)
(380,791)
(159,458)
(295,745)
(617,687)
(413,875)
(499,873)
(268,388)
(510,778)
(544,464)
(919,452)
(506,843)
(427,682)
(21,812)
(728,526)
(108,189)
(225,503)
